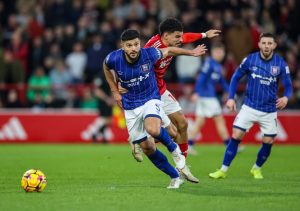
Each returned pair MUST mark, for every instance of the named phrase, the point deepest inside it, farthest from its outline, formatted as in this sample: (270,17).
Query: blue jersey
(138,78)
(262,81)
(210,76)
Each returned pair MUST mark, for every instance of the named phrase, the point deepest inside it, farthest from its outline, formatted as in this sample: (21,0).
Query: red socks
(184,148)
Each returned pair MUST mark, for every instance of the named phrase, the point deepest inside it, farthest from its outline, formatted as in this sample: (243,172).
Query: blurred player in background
(105,105)
(205,96)
(263,70)
(133,67)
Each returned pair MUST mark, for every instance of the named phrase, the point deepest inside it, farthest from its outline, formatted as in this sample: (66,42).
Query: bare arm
(110,78)
(175,51)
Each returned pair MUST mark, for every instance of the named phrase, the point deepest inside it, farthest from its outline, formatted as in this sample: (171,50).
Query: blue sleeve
(286,80)
(204,74)
(224,84)
(155,54)
(238,74)
(109,61)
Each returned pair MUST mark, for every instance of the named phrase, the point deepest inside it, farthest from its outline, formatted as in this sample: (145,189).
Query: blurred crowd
(51,51)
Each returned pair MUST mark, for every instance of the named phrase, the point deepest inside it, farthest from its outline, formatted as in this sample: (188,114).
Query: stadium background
(65,42)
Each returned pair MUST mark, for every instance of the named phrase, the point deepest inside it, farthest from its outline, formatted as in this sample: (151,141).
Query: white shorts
(208,107)
(170,104)
(135,119)
(248,116)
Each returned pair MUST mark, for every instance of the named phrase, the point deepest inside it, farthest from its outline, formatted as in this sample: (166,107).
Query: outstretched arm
(192,37)
(175,51)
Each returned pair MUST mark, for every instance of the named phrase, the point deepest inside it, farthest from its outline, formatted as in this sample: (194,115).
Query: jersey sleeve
(238,74)
(286,80)
(109,61)
(155,54)
(191,37)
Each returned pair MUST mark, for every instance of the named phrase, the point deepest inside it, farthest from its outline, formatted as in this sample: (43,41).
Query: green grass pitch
(106,177)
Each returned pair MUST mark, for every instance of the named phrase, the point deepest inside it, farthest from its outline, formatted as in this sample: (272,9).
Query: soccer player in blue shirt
(207,103)
(133,67)
(263,70)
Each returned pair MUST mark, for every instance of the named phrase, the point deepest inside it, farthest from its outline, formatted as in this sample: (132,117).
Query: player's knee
(182,125)
(153,131)
(172,130)
(149,149)
(268,139)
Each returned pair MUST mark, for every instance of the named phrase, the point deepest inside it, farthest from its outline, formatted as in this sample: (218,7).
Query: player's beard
(267,54)
(132,56)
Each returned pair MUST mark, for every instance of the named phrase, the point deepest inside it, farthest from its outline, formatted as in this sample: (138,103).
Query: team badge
(275,70)
(145,67)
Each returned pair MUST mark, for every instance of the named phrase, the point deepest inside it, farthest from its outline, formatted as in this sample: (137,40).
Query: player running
(133,67)
(171,34)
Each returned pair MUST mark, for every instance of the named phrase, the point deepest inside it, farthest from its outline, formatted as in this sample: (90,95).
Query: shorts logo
(275,70)
(145,67)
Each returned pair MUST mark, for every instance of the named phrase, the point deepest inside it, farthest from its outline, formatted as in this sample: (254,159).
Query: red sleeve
(191,37)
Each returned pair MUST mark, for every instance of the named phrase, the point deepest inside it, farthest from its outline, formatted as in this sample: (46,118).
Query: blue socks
(263,154)
(166,140)
(161,162)
(226,141)
(231,151)
(191,142)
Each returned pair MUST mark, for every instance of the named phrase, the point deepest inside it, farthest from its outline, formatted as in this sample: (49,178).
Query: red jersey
(161,65)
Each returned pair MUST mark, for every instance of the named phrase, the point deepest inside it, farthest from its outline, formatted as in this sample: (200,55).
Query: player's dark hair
(170,25)
(217,45)
(129,34)
(267,34)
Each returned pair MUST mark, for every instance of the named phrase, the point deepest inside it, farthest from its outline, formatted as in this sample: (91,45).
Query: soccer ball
(33,181)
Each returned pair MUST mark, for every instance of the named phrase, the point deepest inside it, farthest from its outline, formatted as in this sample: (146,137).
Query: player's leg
(268,126)
(171,129)
(222,129)
(138,134)
(198,124)
(152,124)
(174,112)
(242,123)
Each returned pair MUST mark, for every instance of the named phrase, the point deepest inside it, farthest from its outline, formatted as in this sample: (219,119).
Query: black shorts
(104,109)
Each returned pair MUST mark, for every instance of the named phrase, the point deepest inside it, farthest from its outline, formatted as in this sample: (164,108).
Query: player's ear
(274,45)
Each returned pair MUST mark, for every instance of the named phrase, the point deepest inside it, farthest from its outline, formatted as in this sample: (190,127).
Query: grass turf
(106,177)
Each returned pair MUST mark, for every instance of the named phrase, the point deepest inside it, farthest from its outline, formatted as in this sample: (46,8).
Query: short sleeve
(155,54)
(109,61)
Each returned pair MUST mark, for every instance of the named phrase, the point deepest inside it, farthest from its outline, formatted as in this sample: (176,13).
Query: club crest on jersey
(275,70)
(145,67)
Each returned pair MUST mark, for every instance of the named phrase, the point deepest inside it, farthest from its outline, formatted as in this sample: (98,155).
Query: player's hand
(118,98)
(212,33)
(230,104)
(281,102)
(199,50)
(121,89)
(194,97)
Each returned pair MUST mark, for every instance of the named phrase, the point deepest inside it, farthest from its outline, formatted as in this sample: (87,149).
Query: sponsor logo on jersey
(254,68)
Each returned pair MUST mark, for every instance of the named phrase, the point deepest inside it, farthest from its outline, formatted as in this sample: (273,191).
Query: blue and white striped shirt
(262,81)
(138,78)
